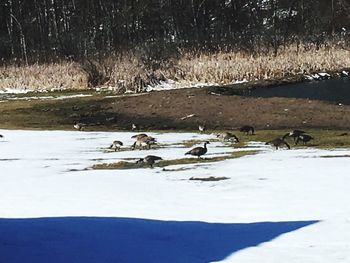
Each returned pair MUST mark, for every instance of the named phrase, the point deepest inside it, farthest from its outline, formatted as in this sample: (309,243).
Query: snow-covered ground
(276,206)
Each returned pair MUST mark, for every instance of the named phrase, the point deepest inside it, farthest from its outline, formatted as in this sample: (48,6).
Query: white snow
(60,97)
(42,175)
(171,85)
(318,76)
(15,91)
(163,85)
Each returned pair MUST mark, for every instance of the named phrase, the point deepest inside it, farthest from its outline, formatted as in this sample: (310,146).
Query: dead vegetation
(43,77)
(134,70)
(209,179)
(165,163)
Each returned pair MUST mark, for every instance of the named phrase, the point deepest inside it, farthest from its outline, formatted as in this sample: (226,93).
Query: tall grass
(129,72)
(43,77)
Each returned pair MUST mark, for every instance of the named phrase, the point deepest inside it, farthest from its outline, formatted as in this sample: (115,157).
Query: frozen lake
(290,204)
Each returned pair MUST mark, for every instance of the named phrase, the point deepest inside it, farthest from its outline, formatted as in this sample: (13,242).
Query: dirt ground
(186,109)
(175,109)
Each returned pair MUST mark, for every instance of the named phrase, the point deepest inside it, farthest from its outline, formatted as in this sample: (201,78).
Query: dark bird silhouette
(293,134)
(305,138)
(198,151)
(116,145)
(247,129)
(1,136)
(278,142)
(149,159)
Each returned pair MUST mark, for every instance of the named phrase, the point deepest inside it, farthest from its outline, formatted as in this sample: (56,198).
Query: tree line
(42,30)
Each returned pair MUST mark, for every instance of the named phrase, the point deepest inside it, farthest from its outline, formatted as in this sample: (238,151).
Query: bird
(278,142)
(139,136)
(1,136)
(79,126)
(293,134)
(247,129)
(305,138)
(201,127)
(144,142)
(134,127)
(116,145)
(227,136)
(198,151)
(149,159)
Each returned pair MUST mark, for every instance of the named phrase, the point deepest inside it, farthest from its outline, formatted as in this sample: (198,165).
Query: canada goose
(278,142)
(149,159)
(149,141)
(247,129)
(116,145)
(304,138)
(201,127)
(227,136)
(144,142)
(138,144)
(199,151)
(293,134)
(79,126)
(139,136)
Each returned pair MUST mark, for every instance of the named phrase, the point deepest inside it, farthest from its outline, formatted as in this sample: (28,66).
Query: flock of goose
(143,141)
(297,135)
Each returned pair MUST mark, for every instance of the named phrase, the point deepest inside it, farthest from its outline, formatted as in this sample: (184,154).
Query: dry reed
(128,72)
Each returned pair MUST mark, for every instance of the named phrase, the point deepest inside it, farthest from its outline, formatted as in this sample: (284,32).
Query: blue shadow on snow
(114,240)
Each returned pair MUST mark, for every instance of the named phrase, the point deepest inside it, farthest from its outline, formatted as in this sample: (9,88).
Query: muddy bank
(181,109)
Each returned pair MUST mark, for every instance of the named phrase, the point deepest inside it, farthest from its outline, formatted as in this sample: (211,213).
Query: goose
(305,138)
(247,129)
(227,136)
(148,140)
(198,151)
(139,136)
(116,145)
(139,144)
(293,134)
(149,159)
(79,126)
(144,142)
(201,127)
(278,142)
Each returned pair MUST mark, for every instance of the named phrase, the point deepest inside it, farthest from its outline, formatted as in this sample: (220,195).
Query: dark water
(335,90)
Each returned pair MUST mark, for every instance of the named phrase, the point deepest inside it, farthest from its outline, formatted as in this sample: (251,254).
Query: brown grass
(128,72)
(45,77)
(165,163)
(223,68)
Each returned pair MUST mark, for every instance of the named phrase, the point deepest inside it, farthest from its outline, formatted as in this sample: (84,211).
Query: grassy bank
(130,72)
(53,113)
